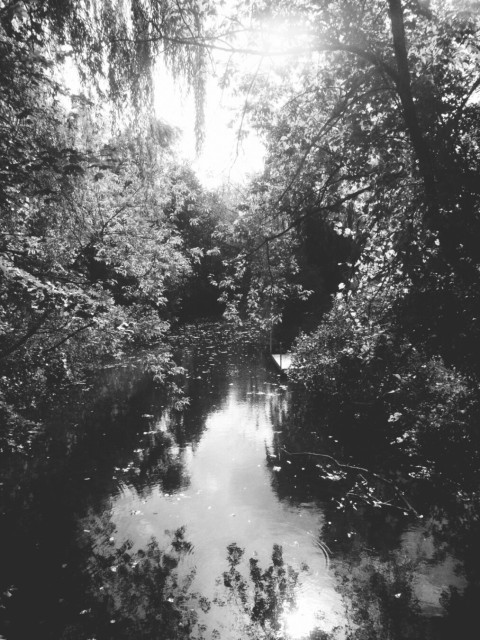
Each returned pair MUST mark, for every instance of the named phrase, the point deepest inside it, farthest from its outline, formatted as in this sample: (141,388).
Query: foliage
(263,276)
(135,592)
(116,44)
(372,136)
(200,217)
(356,127)
(91,246)
(367,370)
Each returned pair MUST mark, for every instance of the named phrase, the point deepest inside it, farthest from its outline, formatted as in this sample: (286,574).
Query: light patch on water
(229,497)
(300,622)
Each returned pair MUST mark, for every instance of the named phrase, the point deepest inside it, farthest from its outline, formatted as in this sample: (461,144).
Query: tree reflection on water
(266,597)
(134,593)
(146,593)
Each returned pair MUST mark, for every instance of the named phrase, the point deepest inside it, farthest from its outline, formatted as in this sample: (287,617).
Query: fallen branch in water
(344,465)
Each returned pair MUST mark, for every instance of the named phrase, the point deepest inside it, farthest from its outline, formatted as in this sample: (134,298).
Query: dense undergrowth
(417,412)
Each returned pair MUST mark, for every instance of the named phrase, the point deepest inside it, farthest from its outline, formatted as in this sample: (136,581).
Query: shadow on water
(126,518)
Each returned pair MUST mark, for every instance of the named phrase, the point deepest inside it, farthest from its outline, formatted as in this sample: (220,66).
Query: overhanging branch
(304,216)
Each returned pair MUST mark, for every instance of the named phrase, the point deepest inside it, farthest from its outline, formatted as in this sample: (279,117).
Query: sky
(223,159)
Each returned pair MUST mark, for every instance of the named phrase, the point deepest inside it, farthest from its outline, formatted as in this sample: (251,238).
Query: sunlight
(223,158)
(232,151)
(282,40)
(300,622)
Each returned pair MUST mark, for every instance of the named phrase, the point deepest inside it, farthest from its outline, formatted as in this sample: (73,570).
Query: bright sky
(223,158)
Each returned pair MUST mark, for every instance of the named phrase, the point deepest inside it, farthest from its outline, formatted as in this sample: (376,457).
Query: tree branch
(297,221)
(344,465)
(70,335)
(31,332)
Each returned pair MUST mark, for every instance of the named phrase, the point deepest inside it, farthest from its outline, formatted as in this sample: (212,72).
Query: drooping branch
(67,337)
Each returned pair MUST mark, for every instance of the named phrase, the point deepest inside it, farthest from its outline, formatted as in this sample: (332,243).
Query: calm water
(83,502)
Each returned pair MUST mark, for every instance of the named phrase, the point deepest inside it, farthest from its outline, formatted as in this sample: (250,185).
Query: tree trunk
(404,87)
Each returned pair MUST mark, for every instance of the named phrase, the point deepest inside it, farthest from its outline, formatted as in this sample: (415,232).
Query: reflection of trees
(378,576)
(157,464)
(457,526)
(146,594)
(264,598)
(380,600)
(273,590)
(135,594)
(73,467)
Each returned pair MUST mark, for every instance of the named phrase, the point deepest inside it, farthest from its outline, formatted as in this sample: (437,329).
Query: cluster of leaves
(362,360)
(372,135)
(258,280)
(91,246)
(115,44)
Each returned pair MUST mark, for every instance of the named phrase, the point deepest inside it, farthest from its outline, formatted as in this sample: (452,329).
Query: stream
(127,518)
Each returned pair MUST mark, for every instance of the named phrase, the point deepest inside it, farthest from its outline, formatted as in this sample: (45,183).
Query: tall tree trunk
(404,87)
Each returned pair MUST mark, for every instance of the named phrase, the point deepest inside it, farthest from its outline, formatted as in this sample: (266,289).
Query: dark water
(127,518)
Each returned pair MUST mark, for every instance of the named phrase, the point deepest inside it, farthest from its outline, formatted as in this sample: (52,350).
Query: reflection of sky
(229,498)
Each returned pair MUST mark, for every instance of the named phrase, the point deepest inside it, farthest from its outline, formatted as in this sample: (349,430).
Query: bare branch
(344,465)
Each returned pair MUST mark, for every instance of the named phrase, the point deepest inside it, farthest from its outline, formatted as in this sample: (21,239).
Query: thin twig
(344,465)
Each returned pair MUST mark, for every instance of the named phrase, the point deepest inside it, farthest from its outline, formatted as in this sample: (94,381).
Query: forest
(356,248)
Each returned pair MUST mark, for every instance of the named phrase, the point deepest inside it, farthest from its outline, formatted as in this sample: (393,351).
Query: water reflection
(226,494)
(149,521)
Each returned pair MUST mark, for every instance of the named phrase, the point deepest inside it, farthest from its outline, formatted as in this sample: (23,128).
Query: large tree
(89,246)
(373,125)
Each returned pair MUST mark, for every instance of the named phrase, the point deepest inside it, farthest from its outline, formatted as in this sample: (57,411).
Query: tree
(89,248)
(116,44)
(372,126)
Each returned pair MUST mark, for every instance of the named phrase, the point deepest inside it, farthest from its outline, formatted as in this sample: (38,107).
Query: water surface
(129,518)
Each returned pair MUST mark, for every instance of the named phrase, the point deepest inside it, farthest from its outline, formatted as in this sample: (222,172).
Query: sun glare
(227,156)
(300,622)
(223,158)
(282,40)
